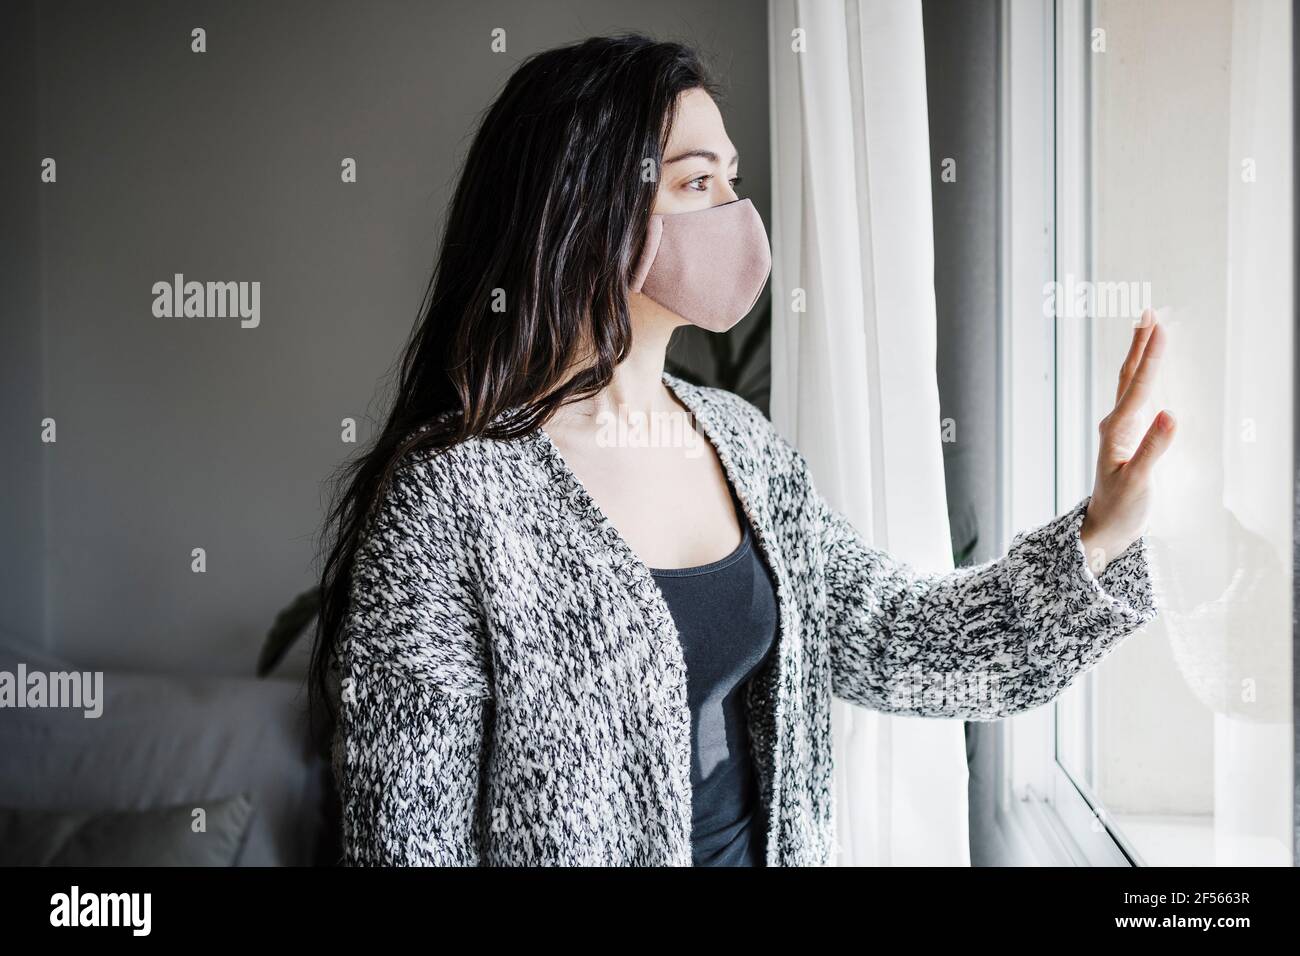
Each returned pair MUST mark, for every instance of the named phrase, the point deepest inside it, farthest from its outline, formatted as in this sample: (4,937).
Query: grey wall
(22,559)
(175,434)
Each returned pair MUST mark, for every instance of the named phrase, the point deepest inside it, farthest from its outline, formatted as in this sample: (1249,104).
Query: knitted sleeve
(981,642)
(415,693)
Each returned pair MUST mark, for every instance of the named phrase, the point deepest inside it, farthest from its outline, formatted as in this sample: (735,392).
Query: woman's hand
(1121,495)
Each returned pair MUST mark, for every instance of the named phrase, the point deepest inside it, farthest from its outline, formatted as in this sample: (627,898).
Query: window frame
(1045,206)
(1046,814)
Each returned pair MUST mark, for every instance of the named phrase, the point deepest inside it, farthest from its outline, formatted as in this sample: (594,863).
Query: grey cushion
(165,836)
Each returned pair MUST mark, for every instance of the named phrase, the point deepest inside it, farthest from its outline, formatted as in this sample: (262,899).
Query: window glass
(1183,736)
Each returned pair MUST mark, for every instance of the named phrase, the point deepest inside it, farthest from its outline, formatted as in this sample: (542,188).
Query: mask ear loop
(654,233)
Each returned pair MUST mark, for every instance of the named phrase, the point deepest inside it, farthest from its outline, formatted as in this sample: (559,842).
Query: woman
(564,639)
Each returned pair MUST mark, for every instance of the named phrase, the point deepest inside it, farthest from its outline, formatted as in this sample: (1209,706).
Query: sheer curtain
(1253,738)
(853,366)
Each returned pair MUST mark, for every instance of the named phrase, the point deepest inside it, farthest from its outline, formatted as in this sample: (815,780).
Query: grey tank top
(726,616)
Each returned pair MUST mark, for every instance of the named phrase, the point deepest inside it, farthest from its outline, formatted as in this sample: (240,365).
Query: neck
(637,384)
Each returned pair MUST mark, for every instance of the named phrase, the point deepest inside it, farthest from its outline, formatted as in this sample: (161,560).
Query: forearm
(984,642)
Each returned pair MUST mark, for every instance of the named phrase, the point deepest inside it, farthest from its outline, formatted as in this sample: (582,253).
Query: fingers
(1143,379)
(1154,444)
(1141,335)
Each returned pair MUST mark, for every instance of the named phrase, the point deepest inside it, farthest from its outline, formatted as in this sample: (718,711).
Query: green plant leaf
(289,625)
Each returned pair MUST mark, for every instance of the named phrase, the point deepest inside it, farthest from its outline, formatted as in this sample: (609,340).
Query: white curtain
(853,367)
(1253,738)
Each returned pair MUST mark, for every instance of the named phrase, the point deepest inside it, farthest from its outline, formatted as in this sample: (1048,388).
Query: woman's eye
(701,183)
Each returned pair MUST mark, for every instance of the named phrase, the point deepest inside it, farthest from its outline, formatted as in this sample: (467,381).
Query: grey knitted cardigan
(513,691)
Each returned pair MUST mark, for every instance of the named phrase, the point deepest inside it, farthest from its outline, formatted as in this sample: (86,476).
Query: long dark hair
(548,219)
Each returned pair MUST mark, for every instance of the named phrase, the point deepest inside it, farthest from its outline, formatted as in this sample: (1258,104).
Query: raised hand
(1121,496)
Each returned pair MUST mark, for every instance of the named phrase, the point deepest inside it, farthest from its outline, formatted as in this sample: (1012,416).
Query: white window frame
(1046,815)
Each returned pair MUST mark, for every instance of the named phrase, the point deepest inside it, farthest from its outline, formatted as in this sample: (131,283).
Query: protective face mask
(708,266)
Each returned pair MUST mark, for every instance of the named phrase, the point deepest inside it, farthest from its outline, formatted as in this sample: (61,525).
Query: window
(1172,167)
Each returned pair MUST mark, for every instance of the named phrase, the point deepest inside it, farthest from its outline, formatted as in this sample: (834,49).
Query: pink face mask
(708,266)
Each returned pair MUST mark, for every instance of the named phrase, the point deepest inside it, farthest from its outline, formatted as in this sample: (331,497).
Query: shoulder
(432,499)
(455,474)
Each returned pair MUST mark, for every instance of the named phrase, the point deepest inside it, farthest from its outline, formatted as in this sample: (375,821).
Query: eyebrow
(701,154)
